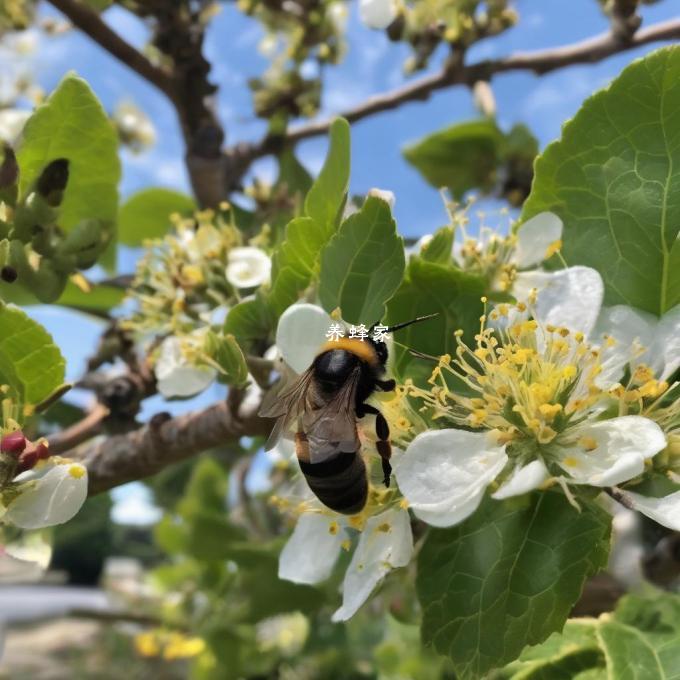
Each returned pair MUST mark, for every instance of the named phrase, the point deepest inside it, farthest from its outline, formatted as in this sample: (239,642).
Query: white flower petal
(623,444)
(386,543)
(628,327)
(444,473)
(453,513)
(664,510)
(523,479)
(177,378)
(569,297)
(248,267)
(13,569)
(54,497)
(666,348)
(377,13)
(312,550)
(301,331)
(185,381)
(534,238)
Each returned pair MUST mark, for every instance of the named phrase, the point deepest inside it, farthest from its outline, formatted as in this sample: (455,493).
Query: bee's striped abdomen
(339,483)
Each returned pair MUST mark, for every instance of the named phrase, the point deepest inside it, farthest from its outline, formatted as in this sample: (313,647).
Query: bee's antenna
(422,355)
(398,326)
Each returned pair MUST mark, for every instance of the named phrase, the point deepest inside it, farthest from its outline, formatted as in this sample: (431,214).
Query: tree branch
(180,37)
(128,457)
(90,426)
(540,62)
(92,25)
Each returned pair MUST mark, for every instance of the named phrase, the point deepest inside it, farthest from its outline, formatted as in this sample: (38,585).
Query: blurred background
(100,559)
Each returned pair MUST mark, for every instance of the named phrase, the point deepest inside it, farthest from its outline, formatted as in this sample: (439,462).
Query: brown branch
(180,37)
(89,22)
(128,457)
(540,62)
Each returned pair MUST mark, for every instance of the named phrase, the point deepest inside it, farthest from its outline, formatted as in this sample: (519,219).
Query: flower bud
(13,443)
(27,460)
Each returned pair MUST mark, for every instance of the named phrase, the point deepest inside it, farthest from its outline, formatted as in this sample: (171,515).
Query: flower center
(525,381)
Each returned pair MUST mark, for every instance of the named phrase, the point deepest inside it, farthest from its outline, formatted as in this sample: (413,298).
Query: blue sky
(371,65)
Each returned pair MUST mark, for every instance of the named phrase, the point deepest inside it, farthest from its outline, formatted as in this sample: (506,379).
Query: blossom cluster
(37,490)
(559,391)
(186,283)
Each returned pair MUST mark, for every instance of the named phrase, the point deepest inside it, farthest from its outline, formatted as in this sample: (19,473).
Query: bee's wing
(332,428)
(286,403)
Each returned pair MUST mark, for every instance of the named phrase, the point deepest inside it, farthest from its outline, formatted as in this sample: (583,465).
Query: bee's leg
(386,385)
(383,444)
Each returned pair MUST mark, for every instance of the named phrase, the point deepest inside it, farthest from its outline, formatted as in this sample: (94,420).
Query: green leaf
(72,124)
(613,179)
(461,157)
(294,262)
(562,656)
(30,363)
(145,215)
(326,198)
(249,320)
(507,577)
(440,248)
(363,264)
(642,638)
(429,287)
(226,352)
(293,174)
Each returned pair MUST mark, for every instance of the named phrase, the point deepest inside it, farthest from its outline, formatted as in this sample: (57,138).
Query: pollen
(570,462)
(346,545)
(588,443)
(526,382)
(385,527)
(333,528)
(77,471)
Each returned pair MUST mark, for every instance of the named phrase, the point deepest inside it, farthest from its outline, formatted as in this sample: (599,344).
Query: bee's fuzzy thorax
(362,349)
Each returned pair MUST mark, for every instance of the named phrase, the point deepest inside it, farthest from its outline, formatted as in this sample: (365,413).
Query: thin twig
(540,62)
(90,426)
(92,25)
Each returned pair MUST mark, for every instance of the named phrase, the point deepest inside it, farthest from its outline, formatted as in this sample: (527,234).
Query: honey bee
(323,404)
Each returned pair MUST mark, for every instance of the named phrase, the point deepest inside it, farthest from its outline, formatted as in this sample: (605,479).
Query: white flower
(301,331)
(25,559)
(386,542)
(49,494)
(443,473)
(535,239)
(377,13)
(175,374)
(532,392)
(664,510)
(248,267)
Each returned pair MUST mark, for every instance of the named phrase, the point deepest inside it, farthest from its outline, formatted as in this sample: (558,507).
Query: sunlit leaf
(613,178)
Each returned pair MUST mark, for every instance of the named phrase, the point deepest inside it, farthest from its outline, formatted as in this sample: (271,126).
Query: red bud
(27,460)
(13,443)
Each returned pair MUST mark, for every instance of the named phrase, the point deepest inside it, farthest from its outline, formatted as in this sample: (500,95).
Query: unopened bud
(13,443)
(27,460)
